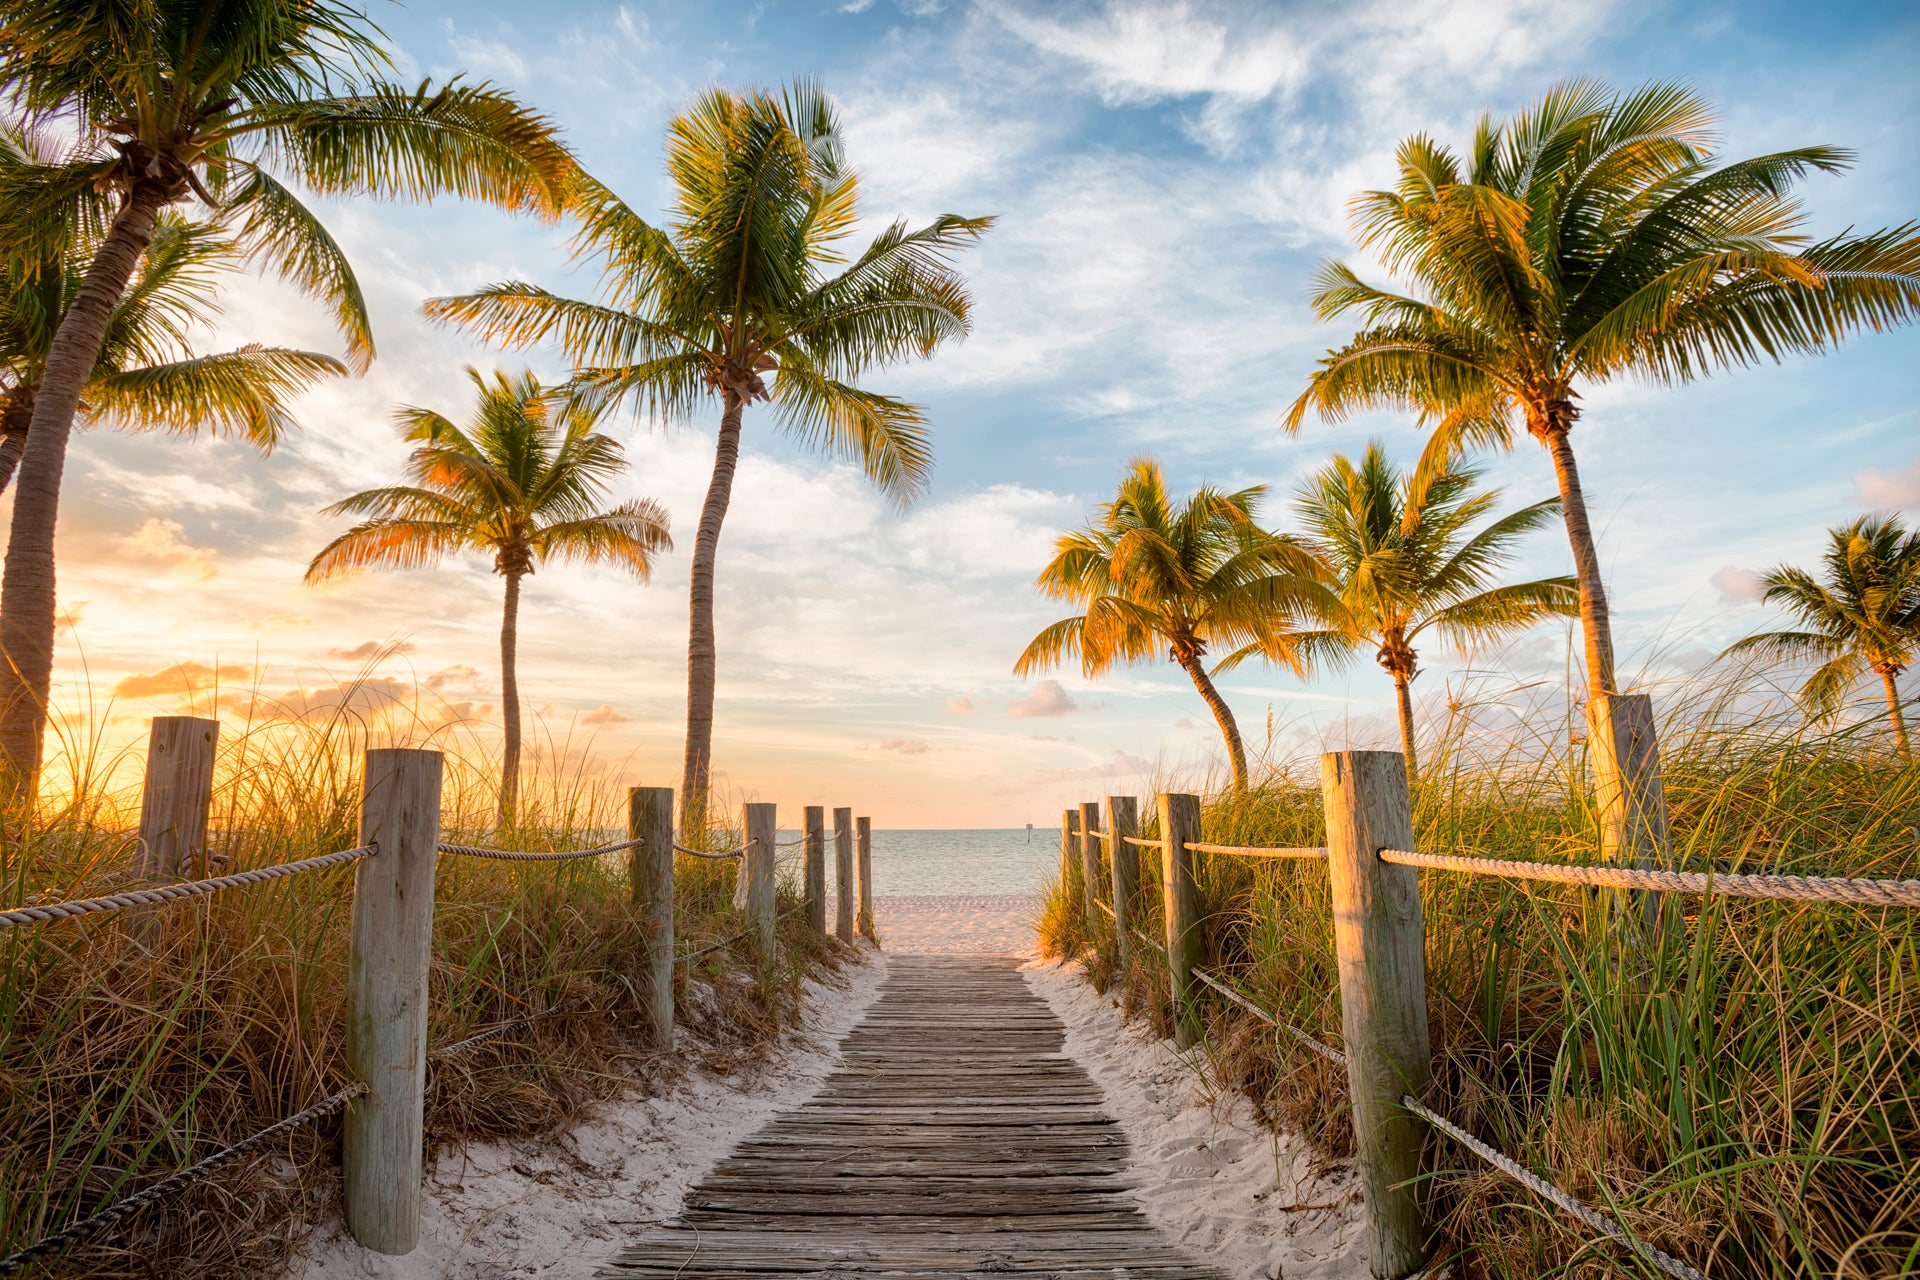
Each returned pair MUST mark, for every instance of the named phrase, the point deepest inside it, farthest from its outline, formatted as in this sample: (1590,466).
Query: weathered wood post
(843,874)
(1631,801)
(814,877)
(1070,855)
(1179,826)
(1379,935)
(650,868)
(176,798)
(1123,823)
(863,840)
(391,948)
(758,827)
(1090,857)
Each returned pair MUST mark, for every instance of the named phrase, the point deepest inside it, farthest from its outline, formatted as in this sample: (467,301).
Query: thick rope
(1255,851)
(1519,1173)
(73,1233)
(170,892)
(461,1046)
(702,853)
(516,855)
(1143,844)
(1324,1050)
(1547,1191)
(1864,893)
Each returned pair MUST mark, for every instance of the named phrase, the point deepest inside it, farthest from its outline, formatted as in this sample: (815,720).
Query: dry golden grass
(1748,1099)
(132,1047)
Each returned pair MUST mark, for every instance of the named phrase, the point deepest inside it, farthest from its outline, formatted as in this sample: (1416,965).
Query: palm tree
(147,377)
(1406,560)
(1864,617)
(219,101)
(750,279)
(1201,576)
(1592,236)
(522,484)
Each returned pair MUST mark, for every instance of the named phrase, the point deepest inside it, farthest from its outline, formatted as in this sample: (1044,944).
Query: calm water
(956,862)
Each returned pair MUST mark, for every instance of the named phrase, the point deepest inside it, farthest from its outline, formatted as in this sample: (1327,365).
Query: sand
(557,1211)
(925,924)
(1206,1173)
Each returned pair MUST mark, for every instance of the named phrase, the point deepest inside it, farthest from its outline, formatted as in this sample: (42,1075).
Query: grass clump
(1746,1097)
(131,1046)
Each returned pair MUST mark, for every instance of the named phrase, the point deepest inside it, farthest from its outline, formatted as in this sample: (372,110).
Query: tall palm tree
(1153,577)
(219,100)
(147,376)
(522,483)
(1865,615)
(750,279)
(1406,560)
(1592,236)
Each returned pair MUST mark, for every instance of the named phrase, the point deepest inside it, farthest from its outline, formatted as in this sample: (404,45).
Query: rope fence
(1599,1222)
(173,892)
(494,1033)
(1256,851)
(720,856)
(519,855)
(1856,892)
(100,1219)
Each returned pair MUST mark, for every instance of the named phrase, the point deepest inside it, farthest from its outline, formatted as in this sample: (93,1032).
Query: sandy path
(558,1211)
(925,924)
(1207,1174)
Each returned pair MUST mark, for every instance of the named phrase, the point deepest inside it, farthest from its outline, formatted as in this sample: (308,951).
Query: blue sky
(1166,176)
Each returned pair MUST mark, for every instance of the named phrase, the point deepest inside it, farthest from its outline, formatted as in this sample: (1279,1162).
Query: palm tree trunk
(697,768)
(1890,679)
(12,445)
(1236,750)
(27,588)
(510,700)
(1594,620)
(1400,687)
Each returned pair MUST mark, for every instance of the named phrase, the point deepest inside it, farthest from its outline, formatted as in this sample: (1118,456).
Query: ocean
(955,863)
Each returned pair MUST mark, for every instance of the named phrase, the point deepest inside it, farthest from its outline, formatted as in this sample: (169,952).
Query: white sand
(926,924)
(1205,1172)
(557,1211)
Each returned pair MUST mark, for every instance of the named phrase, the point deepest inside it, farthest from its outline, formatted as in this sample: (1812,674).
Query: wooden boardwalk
(955,1140)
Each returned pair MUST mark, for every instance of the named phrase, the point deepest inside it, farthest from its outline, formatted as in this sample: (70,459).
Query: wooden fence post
(815,867)
(391,948)
(650,868)
(843,874)
(175,800)
(759,824)
(1380,937)
(1123,823)
(863,839)
(1090,857)
(1179,826)
(1070,855)
(1624,748)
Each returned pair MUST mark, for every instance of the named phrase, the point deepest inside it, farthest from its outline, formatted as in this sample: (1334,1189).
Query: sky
(1166,177)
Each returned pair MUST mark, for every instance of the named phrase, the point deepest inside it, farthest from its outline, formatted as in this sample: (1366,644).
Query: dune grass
(131,1046)
(1746,1097)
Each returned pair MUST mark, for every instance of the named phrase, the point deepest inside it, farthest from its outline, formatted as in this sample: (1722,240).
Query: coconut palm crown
(228,103)
(1182,580)
(1407,560)
(1592,236)
(748,295)
(1861,615)
(523,484)
(148,377)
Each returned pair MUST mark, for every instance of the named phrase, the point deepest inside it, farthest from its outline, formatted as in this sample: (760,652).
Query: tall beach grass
(1746,1096)
(131,1046)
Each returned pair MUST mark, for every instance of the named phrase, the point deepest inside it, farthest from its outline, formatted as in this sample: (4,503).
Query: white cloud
(1897,489)
(604,714)
(1047,699)
(1736,586)
(907,746)
(959,704)
(165,541)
